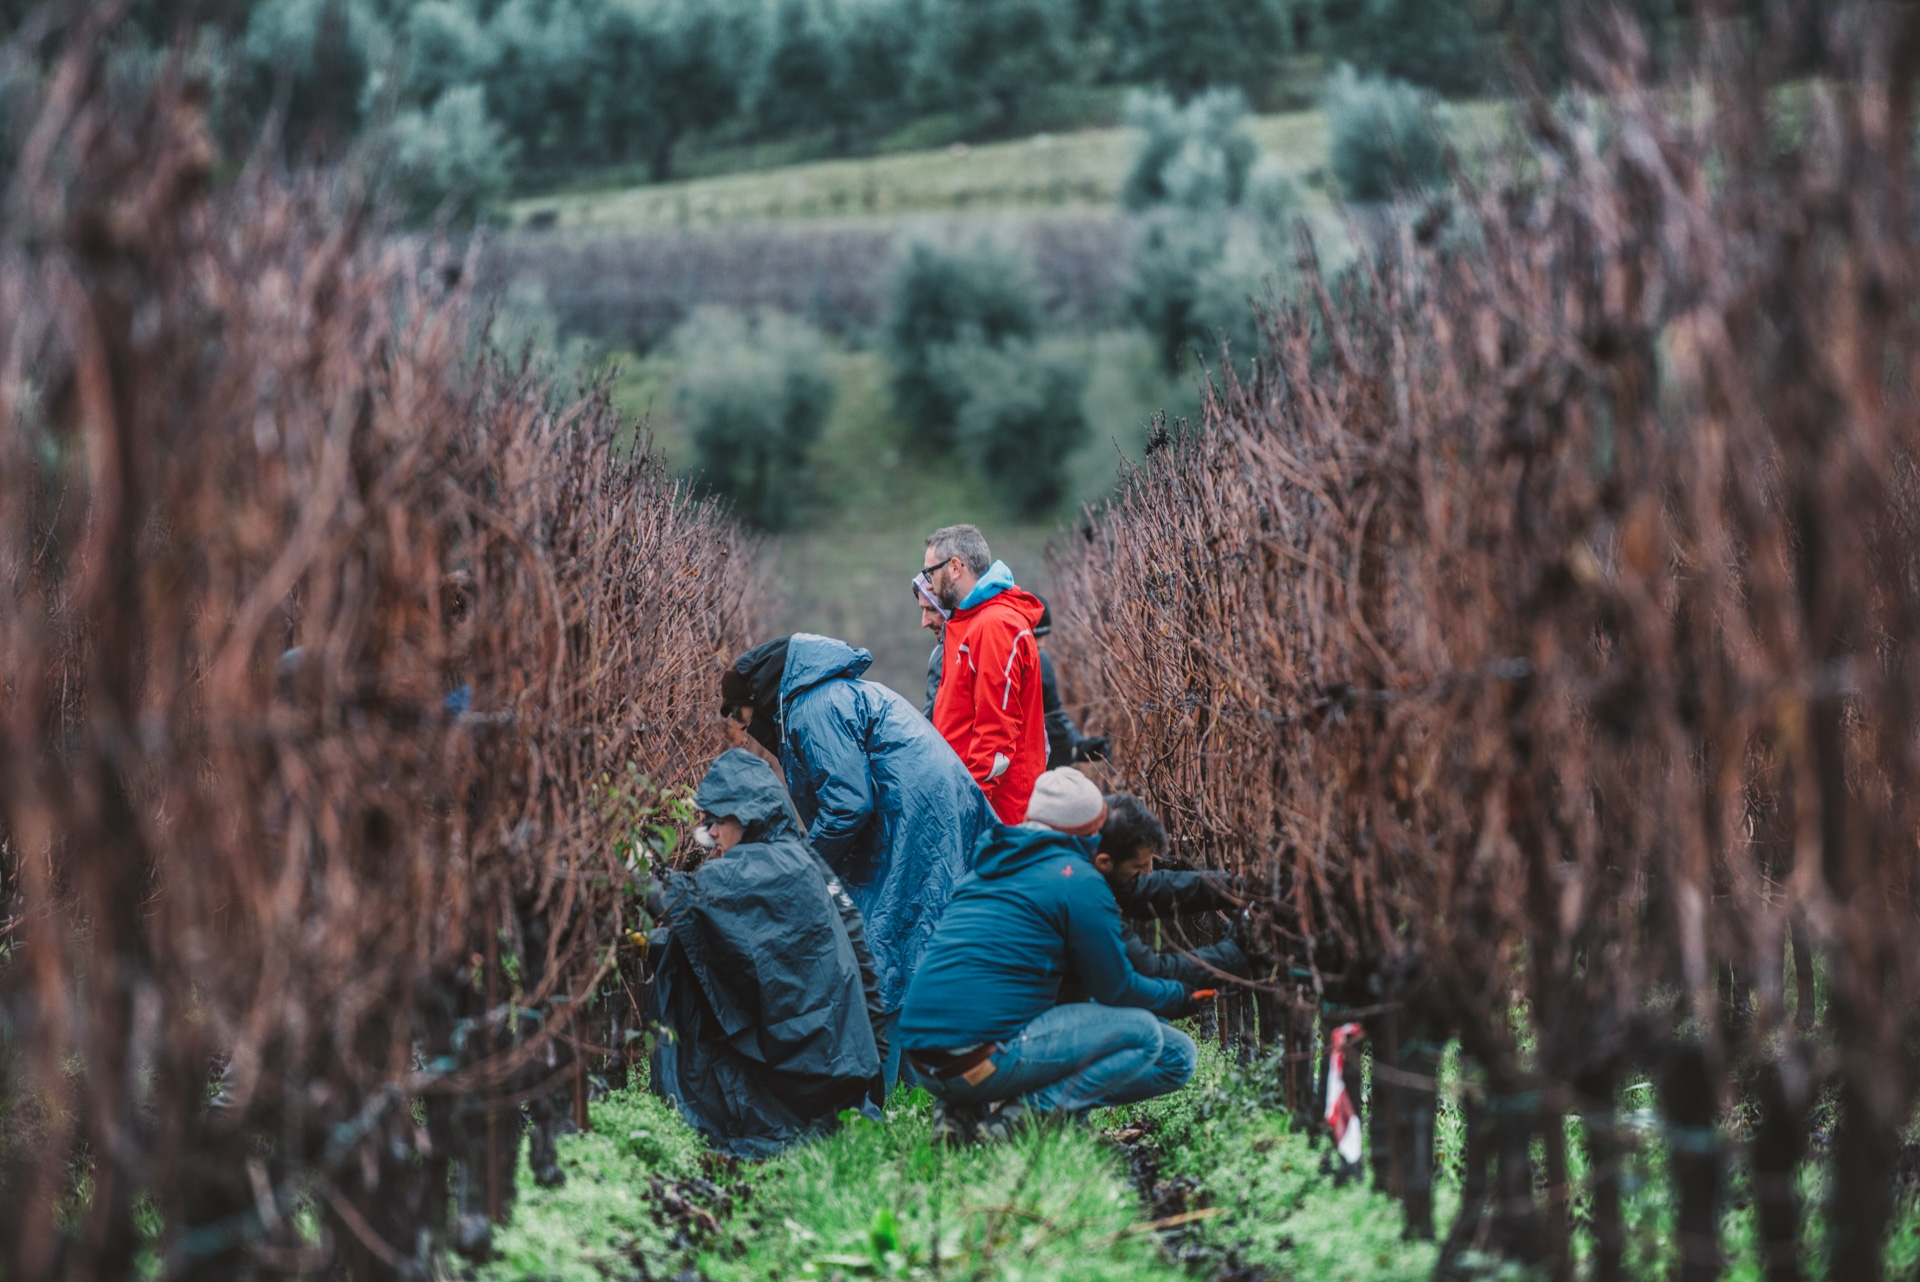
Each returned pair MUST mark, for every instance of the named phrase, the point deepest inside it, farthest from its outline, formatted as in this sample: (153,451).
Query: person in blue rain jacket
(885,801)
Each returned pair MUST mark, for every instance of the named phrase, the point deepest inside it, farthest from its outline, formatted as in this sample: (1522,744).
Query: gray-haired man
(989,706)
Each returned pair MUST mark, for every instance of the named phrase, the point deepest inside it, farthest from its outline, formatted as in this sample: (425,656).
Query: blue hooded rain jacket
(886,802)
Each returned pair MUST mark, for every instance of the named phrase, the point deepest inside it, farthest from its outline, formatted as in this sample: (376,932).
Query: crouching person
(1132,837)
(767,1010)
(982,1026)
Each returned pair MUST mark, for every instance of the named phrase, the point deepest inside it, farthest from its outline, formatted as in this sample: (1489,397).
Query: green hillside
(866,502)
(867,495)
(1082,168)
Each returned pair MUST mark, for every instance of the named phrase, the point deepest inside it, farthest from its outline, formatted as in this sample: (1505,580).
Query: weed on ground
(641,1198)
(880,1200)
(1214,1182)
(633,1186)
(1258,1197)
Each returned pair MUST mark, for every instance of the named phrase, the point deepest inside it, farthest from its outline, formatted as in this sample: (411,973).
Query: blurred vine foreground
(1541,629)
(319,631)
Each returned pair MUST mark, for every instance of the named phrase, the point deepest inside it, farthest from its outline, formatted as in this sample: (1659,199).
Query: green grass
(873,1200)
(1063,109)
(1046,171)
(1084,168)
(1284,1214)
(879,1200)
(602,1219)
(1280,1209)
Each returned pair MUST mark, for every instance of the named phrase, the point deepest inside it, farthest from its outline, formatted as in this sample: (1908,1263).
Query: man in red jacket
(989,703)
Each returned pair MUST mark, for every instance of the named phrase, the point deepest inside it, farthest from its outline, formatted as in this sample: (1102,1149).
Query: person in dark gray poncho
(765,981)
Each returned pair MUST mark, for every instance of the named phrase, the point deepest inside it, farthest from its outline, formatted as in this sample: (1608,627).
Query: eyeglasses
(923,593)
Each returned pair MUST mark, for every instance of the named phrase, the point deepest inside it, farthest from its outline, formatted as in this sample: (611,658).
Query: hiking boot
(955,1124)
(1002,1119)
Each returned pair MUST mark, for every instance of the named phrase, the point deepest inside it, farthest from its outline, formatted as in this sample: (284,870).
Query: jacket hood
(743,786)
(1022,602)
(996,580)
(1005,849)
(812,659)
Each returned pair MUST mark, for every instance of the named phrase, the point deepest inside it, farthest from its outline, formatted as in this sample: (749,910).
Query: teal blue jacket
(1033,912)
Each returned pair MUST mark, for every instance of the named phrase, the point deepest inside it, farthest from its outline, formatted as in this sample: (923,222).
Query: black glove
(1092,748)
(1253,932)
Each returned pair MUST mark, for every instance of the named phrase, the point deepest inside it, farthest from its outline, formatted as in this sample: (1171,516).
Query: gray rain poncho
(765,986)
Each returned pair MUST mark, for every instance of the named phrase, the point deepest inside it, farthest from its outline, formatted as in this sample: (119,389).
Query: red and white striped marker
(1343,1116)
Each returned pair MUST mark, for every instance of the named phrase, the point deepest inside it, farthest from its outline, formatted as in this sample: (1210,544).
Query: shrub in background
(451,162)
(754,392)
(1188,45)
(1174,253)
(1198,155)
(540,79)
(1381,135)
(801,80)
(1214,223)
(840,65)
(446,46)
(1439,45)
(520,324)
(1021,417)
(1193,279)
(311,59)
(659,69)
(982,295)
(989,57)
(877,40)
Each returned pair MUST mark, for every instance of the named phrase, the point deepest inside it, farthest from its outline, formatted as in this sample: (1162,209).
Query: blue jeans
(1080,1056)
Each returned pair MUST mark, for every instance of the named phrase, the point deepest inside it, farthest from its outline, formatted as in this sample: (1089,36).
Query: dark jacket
(1155,897)
(765,983)
(886,802)
(933,678)
(1062,735)
(1033,910)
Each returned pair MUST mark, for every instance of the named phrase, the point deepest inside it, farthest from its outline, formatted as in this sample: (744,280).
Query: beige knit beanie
(1069,801)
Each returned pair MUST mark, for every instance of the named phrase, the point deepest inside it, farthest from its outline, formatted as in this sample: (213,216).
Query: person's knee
(1139,1030)
(1178,1055)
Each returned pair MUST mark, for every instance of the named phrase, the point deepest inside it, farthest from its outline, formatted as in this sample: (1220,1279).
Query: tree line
(479,94)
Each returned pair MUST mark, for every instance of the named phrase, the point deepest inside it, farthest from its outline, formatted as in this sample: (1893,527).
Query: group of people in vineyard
(929,893)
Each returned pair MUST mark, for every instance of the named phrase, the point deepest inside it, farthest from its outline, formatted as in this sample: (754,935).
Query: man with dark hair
(1065,743)
(1133,837)
(983,1026)
(989,706)
(884,800)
